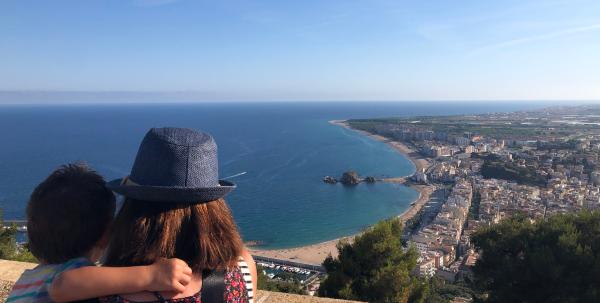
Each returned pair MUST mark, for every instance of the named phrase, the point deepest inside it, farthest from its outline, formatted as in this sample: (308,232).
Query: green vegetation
(374,268)
(287,284)
(509,171)
(413,222)
(496,168)
(557,145)
(441,291)
(557,260)
(9,250)
(454,125)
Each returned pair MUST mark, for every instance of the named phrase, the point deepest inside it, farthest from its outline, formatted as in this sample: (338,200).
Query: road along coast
(316,253)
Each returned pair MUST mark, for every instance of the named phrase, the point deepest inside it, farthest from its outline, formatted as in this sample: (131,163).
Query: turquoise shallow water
(285,150)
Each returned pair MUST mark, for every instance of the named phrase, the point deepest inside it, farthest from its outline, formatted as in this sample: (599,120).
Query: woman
(174,208)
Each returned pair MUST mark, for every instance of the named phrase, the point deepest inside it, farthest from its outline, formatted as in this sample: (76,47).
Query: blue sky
(302,50)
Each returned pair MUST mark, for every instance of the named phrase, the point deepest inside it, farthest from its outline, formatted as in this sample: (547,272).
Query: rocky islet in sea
(349,178)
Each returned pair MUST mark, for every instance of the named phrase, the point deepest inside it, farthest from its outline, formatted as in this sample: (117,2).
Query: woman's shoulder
(248,270)
(246,257)
(238,283)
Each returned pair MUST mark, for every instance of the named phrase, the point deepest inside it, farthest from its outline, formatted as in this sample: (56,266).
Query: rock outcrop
(252,243)
(350,178)
(330,180)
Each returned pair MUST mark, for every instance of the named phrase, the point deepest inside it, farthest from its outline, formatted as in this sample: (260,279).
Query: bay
(283,149)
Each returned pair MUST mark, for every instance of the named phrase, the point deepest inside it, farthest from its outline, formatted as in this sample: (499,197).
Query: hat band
(127,181)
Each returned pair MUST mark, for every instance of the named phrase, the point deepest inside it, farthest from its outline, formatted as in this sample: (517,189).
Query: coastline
(418,161)
(316,253)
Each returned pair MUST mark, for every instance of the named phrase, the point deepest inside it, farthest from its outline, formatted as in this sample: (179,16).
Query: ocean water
(284,149)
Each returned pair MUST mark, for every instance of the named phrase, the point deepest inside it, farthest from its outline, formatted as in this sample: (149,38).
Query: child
(68,216)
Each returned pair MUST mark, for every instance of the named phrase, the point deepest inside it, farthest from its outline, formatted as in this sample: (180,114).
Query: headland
(316,253)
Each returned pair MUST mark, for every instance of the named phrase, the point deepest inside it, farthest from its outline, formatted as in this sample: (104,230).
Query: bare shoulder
(247,257)
(251,267)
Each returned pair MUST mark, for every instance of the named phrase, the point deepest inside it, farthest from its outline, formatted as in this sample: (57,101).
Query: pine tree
(557,260)
(375,268)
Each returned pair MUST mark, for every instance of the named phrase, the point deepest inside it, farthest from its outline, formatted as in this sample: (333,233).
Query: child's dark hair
(68,213)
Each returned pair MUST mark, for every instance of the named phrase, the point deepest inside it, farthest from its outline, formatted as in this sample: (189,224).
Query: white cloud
(541,37)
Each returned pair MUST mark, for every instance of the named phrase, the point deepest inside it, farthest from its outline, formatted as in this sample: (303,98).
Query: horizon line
(26,97)
(578,102)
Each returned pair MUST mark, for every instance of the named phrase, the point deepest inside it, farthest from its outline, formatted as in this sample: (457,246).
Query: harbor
(308,276)
(21,225)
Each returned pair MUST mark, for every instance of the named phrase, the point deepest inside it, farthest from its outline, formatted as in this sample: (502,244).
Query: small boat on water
(412,204)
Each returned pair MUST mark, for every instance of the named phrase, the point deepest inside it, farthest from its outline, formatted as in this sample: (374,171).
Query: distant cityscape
(486,168)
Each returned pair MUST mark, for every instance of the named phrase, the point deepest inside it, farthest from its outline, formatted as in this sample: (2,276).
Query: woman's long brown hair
(204,235)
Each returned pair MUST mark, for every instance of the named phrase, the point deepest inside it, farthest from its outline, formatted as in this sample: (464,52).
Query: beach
(316,253)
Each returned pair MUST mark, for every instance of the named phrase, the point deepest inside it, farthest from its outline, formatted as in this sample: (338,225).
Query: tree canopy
(374,268)
(9,250)
(557,260)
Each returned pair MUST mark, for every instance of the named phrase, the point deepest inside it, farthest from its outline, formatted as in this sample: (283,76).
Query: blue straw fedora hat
(174,165)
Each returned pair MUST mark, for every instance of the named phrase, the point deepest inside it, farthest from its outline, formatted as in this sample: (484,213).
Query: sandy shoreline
(419,161)
(316,253)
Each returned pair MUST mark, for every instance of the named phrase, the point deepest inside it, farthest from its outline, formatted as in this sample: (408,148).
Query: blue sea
(284,149)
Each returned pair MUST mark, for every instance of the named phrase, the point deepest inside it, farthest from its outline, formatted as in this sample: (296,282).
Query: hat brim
(174,194)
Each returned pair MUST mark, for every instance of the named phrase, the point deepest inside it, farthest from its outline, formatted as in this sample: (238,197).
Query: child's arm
(92,281)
